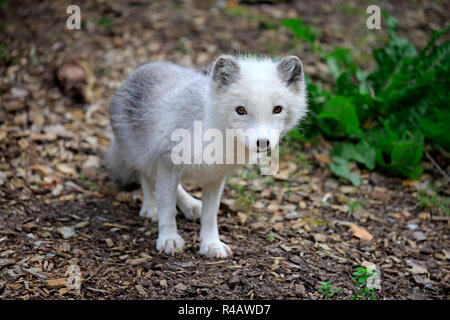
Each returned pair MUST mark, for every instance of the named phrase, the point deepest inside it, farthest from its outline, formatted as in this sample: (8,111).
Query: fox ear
(290,70)
(226,70)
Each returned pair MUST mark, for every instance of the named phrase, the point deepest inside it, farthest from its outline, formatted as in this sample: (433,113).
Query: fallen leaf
(323,158)
(230,204)
(258,225)
(63,291)
(285,247)
(278,226)
(318,237)
(242,218)
(285,172)
(180,287)
(360,232)
(421,279)
(29,226)
(66,169)
(109,242)
(66,232)
(347,189)
(124,197)
(419,236)
(163,283)
(273,207)
(424,216)
(293,215)
(141,290)
(415,267)
(383,196)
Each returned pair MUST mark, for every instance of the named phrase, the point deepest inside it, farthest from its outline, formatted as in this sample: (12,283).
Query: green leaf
(382,118)
(295,135)
(339,167)
(105,22)
(401,154)
(299,30)
(362,152)
(342,110)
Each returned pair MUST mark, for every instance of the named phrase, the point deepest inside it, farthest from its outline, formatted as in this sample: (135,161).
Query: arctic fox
(235,92)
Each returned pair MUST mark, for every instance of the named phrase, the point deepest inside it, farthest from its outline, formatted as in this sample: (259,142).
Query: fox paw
(149,213)
(191,209)
(215,249)
(170,244)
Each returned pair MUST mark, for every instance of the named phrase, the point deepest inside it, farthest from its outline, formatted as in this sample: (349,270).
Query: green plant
(383,118)
(304,161)
(328,290)
(270,181)
(270,237)
(430,199)
(360,277)
(90,184)
(244,199)
(106,23)
(353,206)
(364,294)
(339,167)
(248,174)
(314,220)
(300,30)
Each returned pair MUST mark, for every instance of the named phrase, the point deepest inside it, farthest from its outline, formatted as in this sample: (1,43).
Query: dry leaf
(323,158)
(66,232)
(140,289)
(416,268)
(242,218)
(360,232)
(285,171)
(66,169)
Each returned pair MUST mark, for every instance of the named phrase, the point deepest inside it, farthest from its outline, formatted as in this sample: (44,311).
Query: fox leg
(149,207)
(191,207)
(166,183)
(209,234)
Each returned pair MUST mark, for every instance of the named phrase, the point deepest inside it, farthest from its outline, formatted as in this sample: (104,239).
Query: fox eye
(241,110)
(277,109)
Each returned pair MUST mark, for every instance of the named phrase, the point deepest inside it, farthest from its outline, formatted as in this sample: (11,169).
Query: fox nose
(263,143)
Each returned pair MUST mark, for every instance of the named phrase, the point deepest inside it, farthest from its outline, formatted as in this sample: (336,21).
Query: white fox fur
(161,97)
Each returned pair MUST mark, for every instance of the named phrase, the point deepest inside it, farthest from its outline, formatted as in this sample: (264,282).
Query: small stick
(436,165)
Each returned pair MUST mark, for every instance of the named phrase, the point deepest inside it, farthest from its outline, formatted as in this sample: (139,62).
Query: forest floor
(289,232)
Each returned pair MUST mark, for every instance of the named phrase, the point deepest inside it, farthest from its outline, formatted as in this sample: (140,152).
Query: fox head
(260,99)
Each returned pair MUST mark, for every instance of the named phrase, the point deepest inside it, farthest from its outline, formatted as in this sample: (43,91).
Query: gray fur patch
(291,71)
(206,69)
(140,120)
(226,71)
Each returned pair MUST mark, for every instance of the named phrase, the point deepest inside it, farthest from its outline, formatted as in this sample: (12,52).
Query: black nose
(263,143)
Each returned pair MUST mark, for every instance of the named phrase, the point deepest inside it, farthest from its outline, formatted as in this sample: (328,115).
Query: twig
(96,271)
(437,166)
